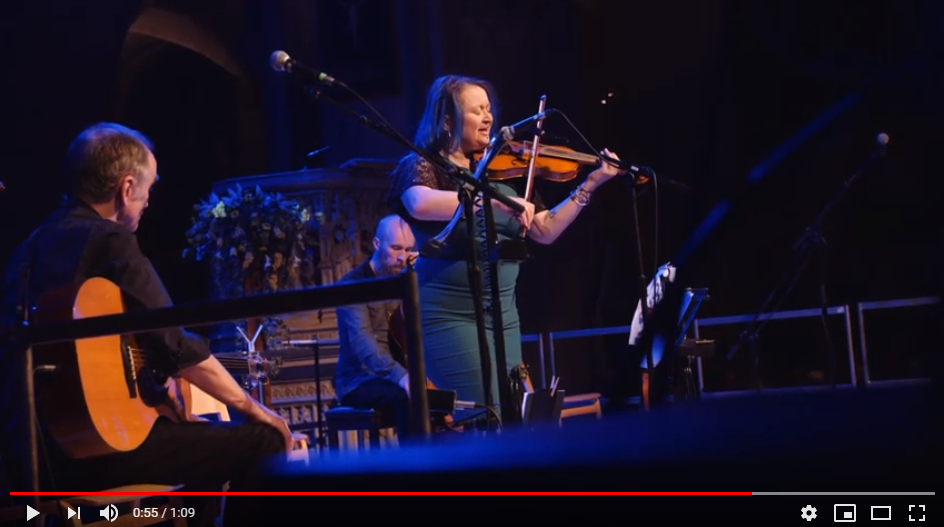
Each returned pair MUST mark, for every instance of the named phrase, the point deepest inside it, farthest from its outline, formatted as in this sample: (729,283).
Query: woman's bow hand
(526,216)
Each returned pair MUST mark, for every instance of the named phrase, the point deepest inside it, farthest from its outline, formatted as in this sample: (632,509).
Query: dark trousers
(202,456)
(385,398)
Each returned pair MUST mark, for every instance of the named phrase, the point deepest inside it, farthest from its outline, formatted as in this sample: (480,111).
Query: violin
(554,163)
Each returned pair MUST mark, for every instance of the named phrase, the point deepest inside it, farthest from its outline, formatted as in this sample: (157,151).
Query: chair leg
(223,503)
(645,391)
(374,437)
(333,443)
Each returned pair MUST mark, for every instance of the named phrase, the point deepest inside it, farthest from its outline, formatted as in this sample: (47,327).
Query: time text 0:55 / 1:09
(163,512)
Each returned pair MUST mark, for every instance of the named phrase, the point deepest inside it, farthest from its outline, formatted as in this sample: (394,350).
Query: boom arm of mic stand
(813,229)
(809,239)
(440,163)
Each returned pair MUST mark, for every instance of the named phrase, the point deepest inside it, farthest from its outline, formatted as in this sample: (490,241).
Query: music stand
(542,406)
(668,337)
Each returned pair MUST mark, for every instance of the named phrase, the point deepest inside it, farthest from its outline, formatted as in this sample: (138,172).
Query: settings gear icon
(808,513)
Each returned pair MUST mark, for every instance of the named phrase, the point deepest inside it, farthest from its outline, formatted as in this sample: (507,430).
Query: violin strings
(552,151)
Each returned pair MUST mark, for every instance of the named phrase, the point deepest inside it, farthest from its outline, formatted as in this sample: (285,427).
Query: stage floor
(860,440)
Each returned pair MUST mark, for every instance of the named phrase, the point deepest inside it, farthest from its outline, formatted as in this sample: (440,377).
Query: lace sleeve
(411,171)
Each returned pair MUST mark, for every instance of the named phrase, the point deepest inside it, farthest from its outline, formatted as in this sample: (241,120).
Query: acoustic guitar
(103,395)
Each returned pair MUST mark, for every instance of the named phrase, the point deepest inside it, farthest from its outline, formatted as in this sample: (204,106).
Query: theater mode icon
(844,512)
(881,512)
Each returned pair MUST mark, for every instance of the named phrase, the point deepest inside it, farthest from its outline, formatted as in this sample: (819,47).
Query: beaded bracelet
(580,196)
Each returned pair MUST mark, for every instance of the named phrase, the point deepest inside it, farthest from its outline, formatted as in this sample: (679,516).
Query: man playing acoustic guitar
(92,236)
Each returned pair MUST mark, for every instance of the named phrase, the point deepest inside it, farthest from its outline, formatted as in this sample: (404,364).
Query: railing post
(541,361)
(419,402)
(550,345)
(850,347)
(862,348)
(33,424)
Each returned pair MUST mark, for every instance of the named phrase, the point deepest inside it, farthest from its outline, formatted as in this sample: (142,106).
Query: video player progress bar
(842,493)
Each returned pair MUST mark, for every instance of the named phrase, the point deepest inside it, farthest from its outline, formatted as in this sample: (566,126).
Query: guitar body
(102,397)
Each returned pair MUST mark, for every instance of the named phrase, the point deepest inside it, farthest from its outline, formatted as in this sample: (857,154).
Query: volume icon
(110,513)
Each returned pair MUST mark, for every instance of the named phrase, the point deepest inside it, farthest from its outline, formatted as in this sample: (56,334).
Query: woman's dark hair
(442,100)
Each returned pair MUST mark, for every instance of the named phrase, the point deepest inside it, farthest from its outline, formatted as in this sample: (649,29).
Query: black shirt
(72,245)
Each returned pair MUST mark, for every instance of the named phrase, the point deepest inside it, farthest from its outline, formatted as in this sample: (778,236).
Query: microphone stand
(514,250)
(469,187)
(510,413)
(642,286)
(809,246)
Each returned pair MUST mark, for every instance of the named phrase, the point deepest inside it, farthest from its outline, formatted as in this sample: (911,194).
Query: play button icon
(31,513)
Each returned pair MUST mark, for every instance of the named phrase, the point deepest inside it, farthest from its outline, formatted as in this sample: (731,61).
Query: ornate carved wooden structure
(348,201)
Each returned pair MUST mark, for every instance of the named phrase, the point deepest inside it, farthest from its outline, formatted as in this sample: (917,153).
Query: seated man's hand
(278,422)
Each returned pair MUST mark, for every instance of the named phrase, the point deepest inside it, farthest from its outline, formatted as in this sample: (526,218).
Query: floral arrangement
(255,242)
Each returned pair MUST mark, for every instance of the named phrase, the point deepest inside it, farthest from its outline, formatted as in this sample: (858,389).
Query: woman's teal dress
(450,335)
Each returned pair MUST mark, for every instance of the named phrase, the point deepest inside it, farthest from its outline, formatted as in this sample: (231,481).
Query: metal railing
(546,352)
(780,315)
(861,308)
(403,287)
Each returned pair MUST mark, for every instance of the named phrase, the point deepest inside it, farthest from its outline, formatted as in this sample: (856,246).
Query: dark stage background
(702,93)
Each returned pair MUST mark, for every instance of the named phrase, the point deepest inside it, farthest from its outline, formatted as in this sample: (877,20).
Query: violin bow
(535,145)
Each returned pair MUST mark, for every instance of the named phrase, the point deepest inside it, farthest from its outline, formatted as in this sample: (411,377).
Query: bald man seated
(367,374)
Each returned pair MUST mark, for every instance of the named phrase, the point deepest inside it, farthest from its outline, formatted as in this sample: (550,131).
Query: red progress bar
(380,493)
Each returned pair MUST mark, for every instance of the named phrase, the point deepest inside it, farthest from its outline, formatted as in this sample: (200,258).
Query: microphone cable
(649,172)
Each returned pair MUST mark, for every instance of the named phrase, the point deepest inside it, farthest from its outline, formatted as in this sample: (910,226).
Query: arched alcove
(180,85)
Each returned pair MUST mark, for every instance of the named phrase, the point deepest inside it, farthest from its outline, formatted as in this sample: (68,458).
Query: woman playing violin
(457,124)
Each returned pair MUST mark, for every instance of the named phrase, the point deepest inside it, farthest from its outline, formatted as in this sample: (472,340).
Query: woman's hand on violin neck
(604,173)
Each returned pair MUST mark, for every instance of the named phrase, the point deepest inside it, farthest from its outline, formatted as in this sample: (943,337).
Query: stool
(582,404)
(102,501)
(347,419)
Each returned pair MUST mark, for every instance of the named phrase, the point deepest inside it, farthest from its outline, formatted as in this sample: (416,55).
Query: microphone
(882,139)
(629,167)
(508,132)
(281,62)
